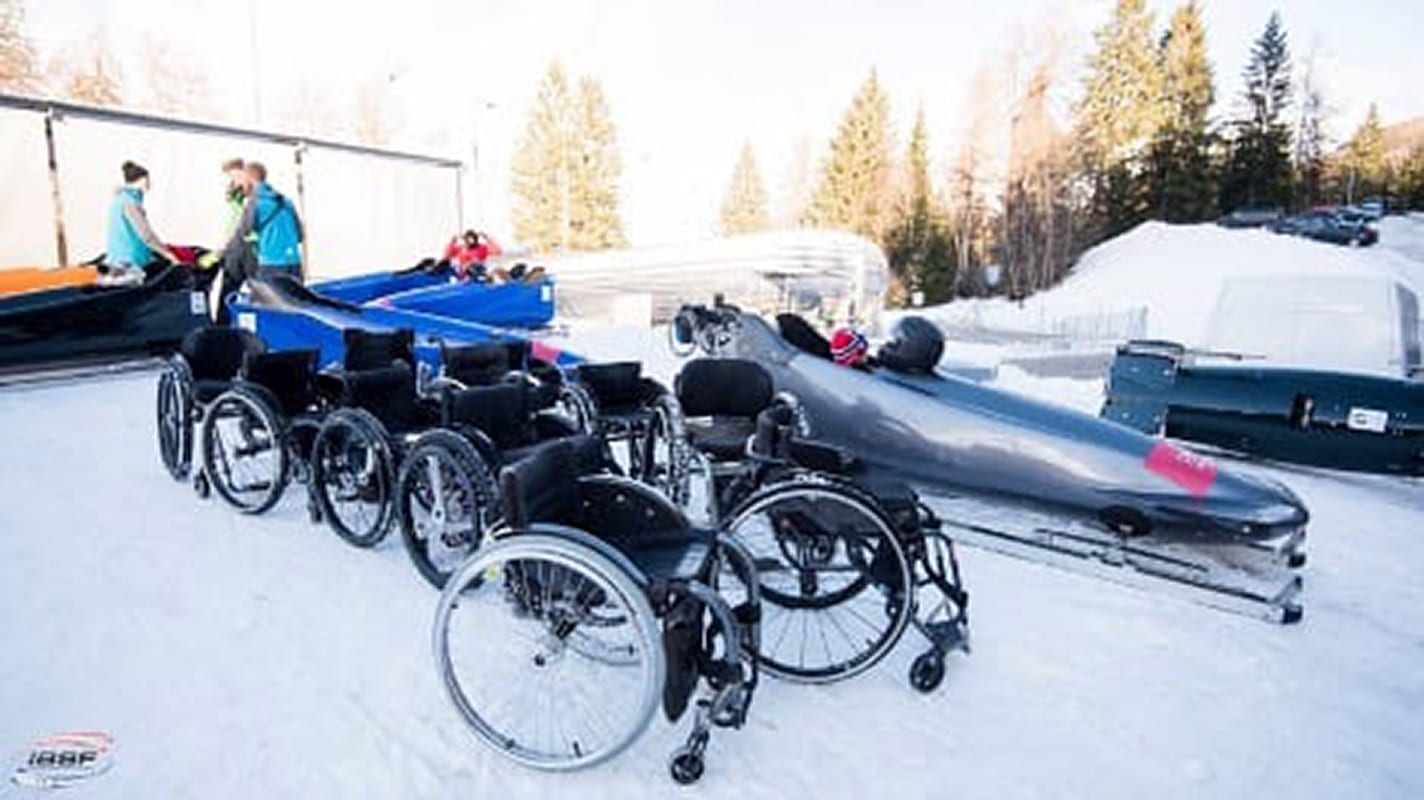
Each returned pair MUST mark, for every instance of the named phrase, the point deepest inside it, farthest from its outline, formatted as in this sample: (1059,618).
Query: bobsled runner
(438,292)
(88,325)
(1028,478)
(1338,420)
(288,316)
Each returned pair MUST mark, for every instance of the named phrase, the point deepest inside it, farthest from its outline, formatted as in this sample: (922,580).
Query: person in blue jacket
(132,244)
(273,219)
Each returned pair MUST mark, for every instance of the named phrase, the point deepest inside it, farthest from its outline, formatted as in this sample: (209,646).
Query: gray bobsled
(1099,493)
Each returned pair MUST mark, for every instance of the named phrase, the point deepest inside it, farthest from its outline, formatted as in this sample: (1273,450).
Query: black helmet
(915,345)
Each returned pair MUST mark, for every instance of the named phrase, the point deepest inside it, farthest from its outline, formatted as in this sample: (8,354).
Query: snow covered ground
(262,657)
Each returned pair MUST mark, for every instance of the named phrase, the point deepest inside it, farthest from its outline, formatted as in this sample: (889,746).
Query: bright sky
(689,80)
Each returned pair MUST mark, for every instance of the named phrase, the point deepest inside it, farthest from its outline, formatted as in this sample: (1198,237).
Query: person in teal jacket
(273,218)
(132,244)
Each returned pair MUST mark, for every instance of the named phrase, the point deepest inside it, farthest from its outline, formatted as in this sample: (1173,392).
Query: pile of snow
(1176,272)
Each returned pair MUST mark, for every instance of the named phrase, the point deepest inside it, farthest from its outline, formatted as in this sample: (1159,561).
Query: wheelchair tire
(437,541)
(501,644)
(174,418)
(240,425)
(352,474)
(848,584)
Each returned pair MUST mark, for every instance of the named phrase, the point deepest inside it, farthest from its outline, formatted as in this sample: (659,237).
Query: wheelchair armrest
(615,505)
(552,425)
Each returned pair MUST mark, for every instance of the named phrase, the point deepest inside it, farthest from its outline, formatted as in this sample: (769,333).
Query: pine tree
(1309,156)
(1364,158)
(541,183)
(1037,236)
(1410,194)
(917,243)
(854,189)
(594,221)
(1259,171)
(1119,116)
(566,169)
(19,69)
(744,206)
(1184,189)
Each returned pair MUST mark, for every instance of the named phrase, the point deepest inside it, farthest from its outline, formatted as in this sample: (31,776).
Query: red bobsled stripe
(544,352)
(1188,470)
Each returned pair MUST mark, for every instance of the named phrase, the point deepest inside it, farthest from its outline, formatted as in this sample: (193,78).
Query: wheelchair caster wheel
(927,672)
(201,486)
(686,767)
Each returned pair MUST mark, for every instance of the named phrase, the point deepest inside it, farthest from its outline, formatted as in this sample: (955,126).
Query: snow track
(262,657)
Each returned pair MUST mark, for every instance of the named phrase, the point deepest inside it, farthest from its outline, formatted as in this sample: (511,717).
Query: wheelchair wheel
(664,459)
(682,333)
(575,403)
(446,499)
(244,452)
(351,475)
(836,587)
(550,651)
(174,411)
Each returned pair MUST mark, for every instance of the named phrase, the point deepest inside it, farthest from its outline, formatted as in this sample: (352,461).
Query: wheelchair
(842,556)
(628,411)
(258,433)
(446,494)
(207,361)
(595,603)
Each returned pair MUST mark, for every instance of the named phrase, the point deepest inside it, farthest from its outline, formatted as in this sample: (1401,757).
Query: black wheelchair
(625,409)
(595,602)
(447,495)
(841,556)
(207,362)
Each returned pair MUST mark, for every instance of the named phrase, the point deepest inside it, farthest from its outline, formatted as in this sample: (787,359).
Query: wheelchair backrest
(614,384)
(723,387)
(543,486)
(287,375)
(502,412)
(377,349)
(387,392)
(476,364)
(217,354)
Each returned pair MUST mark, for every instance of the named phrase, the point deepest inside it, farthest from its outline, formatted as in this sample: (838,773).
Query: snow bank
(1176,272)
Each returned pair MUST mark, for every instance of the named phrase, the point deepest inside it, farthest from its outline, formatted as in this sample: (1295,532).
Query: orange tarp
(30,279)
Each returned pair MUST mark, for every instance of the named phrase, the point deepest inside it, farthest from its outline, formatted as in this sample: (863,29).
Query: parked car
(1374,208)
(1337,226)
(1251,217)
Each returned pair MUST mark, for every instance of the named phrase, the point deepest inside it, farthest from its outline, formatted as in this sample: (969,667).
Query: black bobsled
(1357,422)
(84,325)
(1029,478)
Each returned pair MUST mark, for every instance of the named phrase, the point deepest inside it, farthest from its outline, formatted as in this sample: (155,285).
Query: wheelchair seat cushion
(216,354)
(377,349)
(387,392)
(723,387)
(501,412)
(721,438)
(287,375)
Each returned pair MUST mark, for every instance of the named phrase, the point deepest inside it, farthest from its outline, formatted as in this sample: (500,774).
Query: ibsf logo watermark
(65,759)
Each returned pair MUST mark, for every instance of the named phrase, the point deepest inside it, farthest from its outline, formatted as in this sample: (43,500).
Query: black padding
(517,353)
(216,354)
(377,349)
(287,375)
(613,385)
(502,412)
(476,364)
(387,392)
(542,487)
(724,387)
(801,335)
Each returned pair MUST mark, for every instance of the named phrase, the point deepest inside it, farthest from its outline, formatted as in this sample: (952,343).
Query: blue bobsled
(289,316)
(516,305)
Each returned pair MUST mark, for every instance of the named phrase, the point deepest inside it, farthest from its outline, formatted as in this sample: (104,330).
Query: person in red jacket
(468,252)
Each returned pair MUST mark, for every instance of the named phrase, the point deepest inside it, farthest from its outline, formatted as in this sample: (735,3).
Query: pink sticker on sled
(1188,470)
(544,352)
